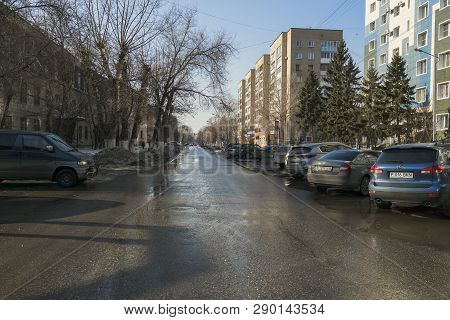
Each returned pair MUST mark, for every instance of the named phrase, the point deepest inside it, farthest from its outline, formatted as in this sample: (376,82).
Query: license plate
(401,175)
(323,169)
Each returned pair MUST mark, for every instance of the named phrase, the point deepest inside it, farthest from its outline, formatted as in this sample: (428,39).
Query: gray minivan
(26,155)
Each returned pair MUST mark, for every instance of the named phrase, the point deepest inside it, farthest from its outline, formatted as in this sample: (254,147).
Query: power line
(333,12)
(224,19)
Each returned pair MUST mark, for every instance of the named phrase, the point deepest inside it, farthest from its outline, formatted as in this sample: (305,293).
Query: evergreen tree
(340,98)
(399,96)
(374,111)
(309,105)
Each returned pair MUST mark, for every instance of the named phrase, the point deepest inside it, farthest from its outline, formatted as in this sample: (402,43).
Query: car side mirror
(50,149)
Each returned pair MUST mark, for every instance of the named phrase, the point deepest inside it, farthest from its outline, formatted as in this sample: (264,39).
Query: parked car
(411,175)
(26,155)
(300,157)
(233,151)
(280,155)
(343,169)
(250,151)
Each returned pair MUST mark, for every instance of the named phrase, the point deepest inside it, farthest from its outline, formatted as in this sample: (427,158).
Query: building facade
(283,71)
(418,30)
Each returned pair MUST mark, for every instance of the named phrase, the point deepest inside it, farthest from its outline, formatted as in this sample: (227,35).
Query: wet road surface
(210,229)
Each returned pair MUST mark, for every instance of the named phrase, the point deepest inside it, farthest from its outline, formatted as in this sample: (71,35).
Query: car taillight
(374,169)
(432,169)
(345,168)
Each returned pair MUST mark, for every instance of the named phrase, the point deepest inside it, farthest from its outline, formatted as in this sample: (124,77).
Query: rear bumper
(324,180)
(435,195)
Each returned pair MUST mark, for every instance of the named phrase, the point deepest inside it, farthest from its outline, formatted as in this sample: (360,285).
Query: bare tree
(187,67)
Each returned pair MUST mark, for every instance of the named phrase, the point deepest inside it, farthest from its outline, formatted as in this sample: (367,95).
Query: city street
(209,228)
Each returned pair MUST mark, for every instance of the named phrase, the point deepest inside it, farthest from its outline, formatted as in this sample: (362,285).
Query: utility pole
(435,87)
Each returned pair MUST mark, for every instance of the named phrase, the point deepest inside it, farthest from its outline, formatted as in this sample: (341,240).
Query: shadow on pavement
(39,209)
(174,255)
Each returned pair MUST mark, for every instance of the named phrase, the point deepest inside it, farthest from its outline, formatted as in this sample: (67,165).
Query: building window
(297,67)
(384,18)
(421,95)
(384,38)
(408,25)
(443,90)
(396,32)
(444,3)
(383,59)
(444,60)
(23,124)
(372,26)
(372,45)
(383,2)
(311,55)
(373,7)
(298,56)
(36,124)
(298,43)
(423,11)
(311,44)
(422,39)
(396,51)
(421,67)
(310,67)
(372,63)
(442,121)
(443,29)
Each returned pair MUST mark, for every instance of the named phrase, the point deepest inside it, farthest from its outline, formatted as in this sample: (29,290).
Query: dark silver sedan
(343,169)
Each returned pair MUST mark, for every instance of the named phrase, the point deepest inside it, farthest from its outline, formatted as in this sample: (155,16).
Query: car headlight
(82,163)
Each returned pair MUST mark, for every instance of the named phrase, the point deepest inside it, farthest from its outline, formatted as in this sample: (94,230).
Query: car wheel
(66,178)
(364,186)
(384,205)
(322,189)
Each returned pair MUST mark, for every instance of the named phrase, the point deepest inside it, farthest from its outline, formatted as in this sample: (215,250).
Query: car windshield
(411,156)
(341,155)
(60,143)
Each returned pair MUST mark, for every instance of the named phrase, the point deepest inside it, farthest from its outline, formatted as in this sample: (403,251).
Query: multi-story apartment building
(241,110)
(418,30)
(262,82)
(249,111)
(291,56)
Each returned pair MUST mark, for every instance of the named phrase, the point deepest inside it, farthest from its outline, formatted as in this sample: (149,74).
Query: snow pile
(116,157)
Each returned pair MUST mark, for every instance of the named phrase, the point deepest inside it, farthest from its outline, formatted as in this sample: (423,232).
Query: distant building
(402,26)
(291,56)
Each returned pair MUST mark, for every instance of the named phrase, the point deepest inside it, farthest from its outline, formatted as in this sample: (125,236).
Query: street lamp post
(435,87)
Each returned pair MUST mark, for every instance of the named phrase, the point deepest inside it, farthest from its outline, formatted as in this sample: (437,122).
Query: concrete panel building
(418,30)
(291,56)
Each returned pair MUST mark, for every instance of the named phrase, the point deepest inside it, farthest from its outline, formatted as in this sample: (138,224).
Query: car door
(37,163)
(9,156)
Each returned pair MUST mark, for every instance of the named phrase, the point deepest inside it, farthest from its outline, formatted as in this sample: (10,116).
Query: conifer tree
(339,115)
(399,96)
(309,105)
(375,114)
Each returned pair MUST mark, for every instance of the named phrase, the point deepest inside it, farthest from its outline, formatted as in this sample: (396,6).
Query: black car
(26,155)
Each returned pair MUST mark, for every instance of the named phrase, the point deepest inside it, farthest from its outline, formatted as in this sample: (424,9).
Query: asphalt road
(209,229)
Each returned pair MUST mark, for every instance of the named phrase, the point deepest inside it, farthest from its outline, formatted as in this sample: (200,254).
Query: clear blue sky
(254,24)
